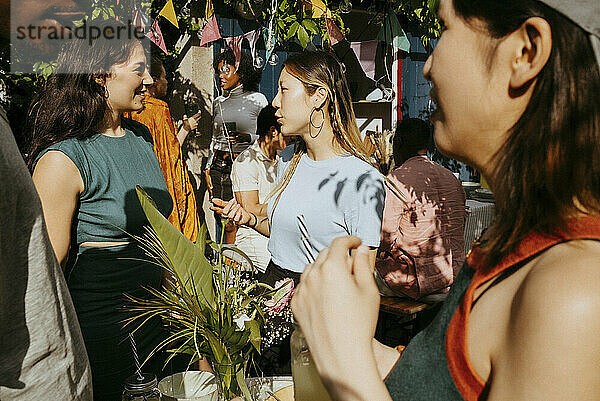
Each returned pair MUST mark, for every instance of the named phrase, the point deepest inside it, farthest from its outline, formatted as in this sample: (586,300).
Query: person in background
(516,86)
(167,146)
(234,125)
(42,353)
(87,161)
(422,234)
(254,176)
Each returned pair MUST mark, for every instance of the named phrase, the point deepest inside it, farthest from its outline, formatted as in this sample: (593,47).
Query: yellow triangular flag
(210,10)
(319,9)
(168,11)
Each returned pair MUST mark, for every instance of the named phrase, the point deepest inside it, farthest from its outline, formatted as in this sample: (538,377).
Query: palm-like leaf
(187,260)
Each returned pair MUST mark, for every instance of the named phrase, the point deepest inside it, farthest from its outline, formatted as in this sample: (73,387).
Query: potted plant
(211,309)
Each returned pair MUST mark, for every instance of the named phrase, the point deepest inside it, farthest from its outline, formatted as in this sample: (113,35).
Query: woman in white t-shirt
(326,185)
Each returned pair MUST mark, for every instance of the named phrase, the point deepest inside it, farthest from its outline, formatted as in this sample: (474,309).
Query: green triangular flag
(392,32)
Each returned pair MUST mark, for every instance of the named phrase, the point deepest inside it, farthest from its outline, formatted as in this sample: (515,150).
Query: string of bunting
(391,32)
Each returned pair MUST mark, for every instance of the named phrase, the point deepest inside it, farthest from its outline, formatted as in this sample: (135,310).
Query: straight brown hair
(548,170)
(317,69)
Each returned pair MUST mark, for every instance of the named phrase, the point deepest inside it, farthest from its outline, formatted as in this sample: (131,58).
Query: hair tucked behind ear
(72,104)
(548,170)
(319,69)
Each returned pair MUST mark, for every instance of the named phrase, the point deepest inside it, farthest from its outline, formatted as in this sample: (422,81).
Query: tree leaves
(303,36)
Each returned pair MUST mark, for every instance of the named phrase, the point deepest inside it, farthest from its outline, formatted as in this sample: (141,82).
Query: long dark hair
(548,170)
(72,104)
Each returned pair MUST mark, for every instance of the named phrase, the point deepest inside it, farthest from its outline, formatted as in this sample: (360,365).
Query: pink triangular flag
(235,43)
(252,37)
(211,32)
(335,36)
(156,36)
(137,19)
(365,53)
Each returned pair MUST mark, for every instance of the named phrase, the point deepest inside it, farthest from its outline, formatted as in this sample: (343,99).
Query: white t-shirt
(252,170)
(337,197)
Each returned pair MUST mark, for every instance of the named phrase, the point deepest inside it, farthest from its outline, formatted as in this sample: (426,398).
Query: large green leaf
(188,259)
(303,36)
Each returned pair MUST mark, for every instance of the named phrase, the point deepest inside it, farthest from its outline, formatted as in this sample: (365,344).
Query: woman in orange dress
(167,146)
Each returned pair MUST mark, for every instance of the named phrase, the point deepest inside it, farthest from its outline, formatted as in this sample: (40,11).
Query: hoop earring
(313,125)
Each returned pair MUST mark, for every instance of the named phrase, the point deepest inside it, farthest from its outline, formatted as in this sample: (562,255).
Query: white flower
(240,320)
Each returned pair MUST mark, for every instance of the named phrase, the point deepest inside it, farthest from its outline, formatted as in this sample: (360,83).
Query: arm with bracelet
(240,216)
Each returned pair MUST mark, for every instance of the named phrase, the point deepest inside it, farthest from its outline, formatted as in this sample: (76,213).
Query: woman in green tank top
(86,161)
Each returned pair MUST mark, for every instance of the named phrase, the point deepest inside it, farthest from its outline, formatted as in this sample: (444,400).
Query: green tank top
(110,168)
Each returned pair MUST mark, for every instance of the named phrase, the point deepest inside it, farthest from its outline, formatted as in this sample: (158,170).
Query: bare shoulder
(552,333)
(56,170)
(558,301)
(570,270)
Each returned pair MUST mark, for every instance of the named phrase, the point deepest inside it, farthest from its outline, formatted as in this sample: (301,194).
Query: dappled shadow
(422,245)
(368,185)
(187,99)
(253,155)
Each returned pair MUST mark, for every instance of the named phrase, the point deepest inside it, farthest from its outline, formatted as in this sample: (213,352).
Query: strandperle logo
(83,32)
(38,35)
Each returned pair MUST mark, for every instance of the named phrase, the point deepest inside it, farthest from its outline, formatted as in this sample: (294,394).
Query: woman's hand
(191,123)
(233,211)
(337,306)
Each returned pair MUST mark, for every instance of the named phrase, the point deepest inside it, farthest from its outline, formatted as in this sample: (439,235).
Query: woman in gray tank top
(516,85)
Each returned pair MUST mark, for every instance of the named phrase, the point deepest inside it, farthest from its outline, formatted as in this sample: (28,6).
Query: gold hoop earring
(313,125)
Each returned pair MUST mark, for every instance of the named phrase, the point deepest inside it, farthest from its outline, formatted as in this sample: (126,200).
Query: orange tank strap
(468,383)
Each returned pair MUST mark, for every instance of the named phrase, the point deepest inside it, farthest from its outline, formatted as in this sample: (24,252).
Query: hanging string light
(274,59)
(258,62)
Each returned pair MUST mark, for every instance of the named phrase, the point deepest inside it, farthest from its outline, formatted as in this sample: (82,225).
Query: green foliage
(210,310)
(293,21)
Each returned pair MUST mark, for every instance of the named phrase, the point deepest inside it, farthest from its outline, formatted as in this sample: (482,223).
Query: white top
(252,170)
(337,197)
(239,107)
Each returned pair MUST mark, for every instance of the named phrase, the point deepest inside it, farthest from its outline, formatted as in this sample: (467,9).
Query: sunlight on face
(466,93)
(292,104)
(126,82)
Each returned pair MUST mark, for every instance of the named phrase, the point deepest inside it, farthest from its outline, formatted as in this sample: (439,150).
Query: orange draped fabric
(157,117)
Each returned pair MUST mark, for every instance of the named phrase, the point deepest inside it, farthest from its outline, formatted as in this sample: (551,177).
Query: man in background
(422,239)
(253,177)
